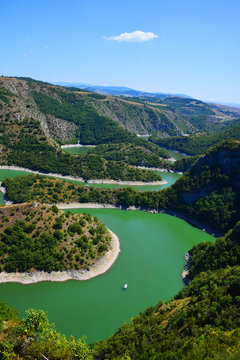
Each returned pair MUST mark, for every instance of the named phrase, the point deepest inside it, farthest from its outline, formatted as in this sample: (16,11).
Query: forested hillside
(36,237)
(208,193)
(134,154)
(25,139)
(70,114)
(197,144)
(210,190)
(224,252)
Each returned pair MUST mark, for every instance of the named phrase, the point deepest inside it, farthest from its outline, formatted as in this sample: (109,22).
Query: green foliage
(55,209)
(199,114)
(75,228)
(34,338)
(144,154)
(32,239)
(30,153)
(24,252)
(185,163)
(4,96)
(6,313)
(93,128)
(26,187)
(30,80)
(24,143)
(209,191)
(97,96)
(224,252)
(197,144)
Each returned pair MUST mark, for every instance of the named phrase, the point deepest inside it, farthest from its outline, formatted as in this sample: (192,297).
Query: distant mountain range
(119,90)
(126,91)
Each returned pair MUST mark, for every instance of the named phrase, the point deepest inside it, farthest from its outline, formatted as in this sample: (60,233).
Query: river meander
(78,150)
(150,261)
(170,178)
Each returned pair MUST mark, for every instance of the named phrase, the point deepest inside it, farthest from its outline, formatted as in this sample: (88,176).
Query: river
(77,150)
(151,262)
(170,178)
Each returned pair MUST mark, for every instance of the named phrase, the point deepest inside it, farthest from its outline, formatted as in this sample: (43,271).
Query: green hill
(197,144)
(210,191)
(36,237)
(26,141)
(70,114)
(225,252)
(148,155)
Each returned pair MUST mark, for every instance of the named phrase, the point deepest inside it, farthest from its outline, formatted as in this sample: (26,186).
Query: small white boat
(125,286)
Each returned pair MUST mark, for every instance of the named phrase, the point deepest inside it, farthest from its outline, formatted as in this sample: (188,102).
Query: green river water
(176,155)
(151,261)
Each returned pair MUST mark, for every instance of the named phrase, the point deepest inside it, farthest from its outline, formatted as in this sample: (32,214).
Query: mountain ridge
(118,90)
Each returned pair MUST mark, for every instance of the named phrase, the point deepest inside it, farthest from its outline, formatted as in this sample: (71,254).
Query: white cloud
(135,36)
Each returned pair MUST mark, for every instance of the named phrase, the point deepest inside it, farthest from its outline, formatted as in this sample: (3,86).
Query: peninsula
(42,243)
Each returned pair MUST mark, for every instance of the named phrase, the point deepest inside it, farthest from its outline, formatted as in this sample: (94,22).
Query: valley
(115,172)
(119,180)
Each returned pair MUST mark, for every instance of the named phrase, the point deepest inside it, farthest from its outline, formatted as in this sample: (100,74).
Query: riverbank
(100,267)
(120,182)
(185,273)
(64,206)
(75,178)
(76,145)
(18,168)
(158,169)
(177,151)
(2,189)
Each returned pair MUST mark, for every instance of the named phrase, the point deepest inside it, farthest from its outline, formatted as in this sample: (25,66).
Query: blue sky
(190,47)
